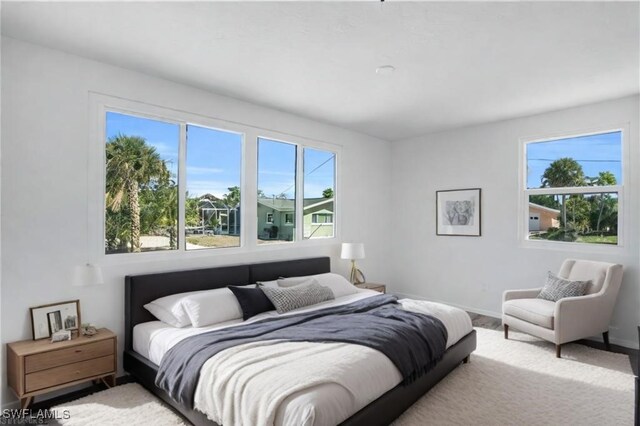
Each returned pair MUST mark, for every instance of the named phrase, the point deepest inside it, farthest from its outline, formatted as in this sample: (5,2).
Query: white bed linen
(328,394)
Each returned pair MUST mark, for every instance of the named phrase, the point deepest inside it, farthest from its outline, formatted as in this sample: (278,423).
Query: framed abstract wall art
(458,212)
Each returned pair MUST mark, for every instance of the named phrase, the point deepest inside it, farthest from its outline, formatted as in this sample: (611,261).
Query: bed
(146,339)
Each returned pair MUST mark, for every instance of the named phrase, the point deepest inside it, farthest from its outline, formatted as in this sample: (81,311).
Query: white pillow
(169,309)
(338,284)
(212,307)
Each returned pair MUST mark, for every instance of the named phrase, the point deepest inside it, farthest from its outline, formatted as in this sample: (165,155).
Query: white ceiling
(457,63)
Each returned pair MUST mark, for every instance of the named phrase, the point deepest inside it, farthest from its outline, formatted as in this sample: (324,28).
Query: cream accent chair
(570,318)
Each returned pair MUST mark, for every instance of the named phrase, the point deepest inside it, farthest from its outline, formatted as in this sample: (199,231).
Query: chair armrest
(529,293)
(582,316)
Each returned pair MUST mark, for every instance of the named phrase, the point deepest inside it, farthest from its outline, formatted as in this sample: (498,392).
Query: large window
(142,201)
(176,182)
(141,193)
(573,189)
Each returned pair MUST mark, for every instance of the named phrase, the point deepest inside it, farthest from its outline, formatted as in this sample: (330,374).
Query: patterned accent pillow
(557,288)
(290,298)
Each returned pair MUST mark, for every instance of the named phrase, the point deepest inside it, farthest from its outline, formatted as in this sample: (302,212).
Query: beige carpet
(520,382)
(508,382)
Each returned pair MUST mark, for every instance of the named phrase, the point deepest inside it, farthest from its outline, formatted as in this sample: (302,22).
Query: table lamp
(354,251)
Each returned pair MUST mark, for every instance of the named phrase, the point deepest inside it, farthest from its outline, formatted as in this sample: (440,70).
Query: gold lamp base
(356,277)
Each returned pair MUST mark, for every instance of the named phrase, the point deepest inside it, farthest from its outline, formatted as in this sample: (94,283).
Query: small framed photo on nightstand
(49,319)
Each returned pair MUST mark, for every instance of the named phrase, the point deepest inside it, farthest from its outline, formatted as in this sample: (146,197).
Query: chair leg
(506,331)
(558,351)
(605,337)
(466,359)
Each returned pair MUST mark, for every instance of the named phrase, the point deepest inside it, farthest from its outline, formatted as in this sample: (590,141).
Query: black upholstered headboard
(142,289)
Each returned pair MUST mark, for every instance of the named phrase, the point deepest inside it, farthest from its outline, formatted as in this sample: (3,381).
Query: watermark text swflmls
(32,417)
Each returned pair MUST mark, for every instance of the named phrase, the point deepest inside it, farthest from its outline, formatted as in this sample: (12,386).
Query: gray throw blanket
(413,342)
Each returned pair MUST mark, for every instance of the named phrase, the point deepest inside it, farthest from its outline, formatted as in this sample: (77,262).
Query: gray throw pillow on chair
(557,288)
(290,298)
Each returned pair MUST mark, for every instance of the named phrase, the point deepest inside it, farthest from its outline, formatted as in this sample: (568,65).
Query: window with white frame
(319,193)
(170,181)
(289,218)
(322,218)
(212,199)
(573,188)
(277,164)
(142,200)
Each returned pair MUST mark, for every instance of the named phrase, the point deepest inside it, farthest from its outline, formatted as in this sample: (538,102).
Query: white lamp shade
(352,251)
(88,275)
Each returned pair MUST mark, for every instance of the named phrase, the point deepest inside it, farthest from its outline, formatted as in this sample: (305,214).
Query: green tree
(232,199)
(562,173)
(603,179)
(167,202)
(328,193)
(578,208)
(191,211)
(131,166)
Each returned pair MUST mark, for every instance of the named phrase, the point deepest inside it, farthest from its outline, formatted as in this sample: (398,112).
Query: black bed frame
(142,289)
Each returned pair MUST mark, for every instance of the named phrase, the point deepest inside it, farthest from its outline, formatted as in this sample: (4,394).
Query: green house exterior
(276,218)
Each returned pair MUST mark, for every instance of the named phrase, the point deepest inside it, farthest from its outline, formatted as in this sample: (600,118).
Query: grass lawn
(214,240)
(590,239)
(597,239)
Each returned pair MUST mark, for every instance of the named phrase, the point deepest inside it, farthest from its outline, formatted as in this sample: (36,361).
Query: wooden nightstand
(39,366)
(373,286)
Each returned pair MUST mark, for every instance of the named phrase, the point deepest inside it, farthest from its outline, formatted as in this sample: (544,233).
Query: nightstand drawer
(46,360)
(68,373)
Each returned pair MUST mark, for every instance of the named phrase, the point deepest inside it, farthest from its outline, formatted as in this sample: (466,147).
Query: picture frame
(459,212)
(48,319)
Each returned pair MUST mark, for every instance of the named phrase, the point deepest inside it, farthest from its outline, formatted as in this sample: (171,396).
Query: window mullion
(182,183)
(299,193)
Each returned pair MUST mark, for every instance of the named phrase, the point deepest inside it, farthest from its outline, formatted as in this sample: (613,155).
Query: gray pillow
(290,298)
(557,288)
(294,281)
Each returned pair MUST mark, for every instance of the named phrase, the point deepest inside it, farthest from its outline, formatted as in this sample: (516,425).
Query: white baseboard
(616,341)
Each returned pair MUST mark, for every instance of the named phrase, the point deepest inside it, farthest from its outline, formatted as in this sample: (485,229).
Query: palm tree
(564,172)
(603,179)
(131,164)
(167,196)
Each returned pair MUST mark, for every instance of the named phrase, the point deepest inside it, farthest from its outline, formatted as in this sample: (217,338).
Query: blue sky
(595,153)
(214,158)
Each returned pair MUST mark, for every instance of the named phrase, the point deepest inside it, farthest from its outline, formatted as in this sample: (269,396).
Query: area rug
(508,382)
(128,404)
(521,382)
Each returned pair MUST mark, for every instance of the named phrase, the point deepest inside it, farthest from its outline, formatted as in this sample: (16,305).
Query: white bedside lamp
(354,251)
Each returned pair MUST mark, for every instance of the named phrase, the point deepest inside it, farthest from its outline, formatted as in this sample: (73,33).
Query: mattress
(364,373)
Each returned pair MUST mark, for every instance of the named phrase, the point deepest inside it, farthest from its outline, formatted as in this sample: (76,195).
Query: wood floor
(492,323)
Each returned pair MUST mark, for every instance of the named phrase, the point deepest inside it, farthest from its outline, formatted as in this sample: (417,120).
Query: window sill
(178,255)
(572,247)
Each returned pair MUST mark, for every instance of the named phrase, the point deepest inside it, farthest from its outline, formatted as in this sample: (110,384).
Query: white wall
(473,272)
(45,133)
